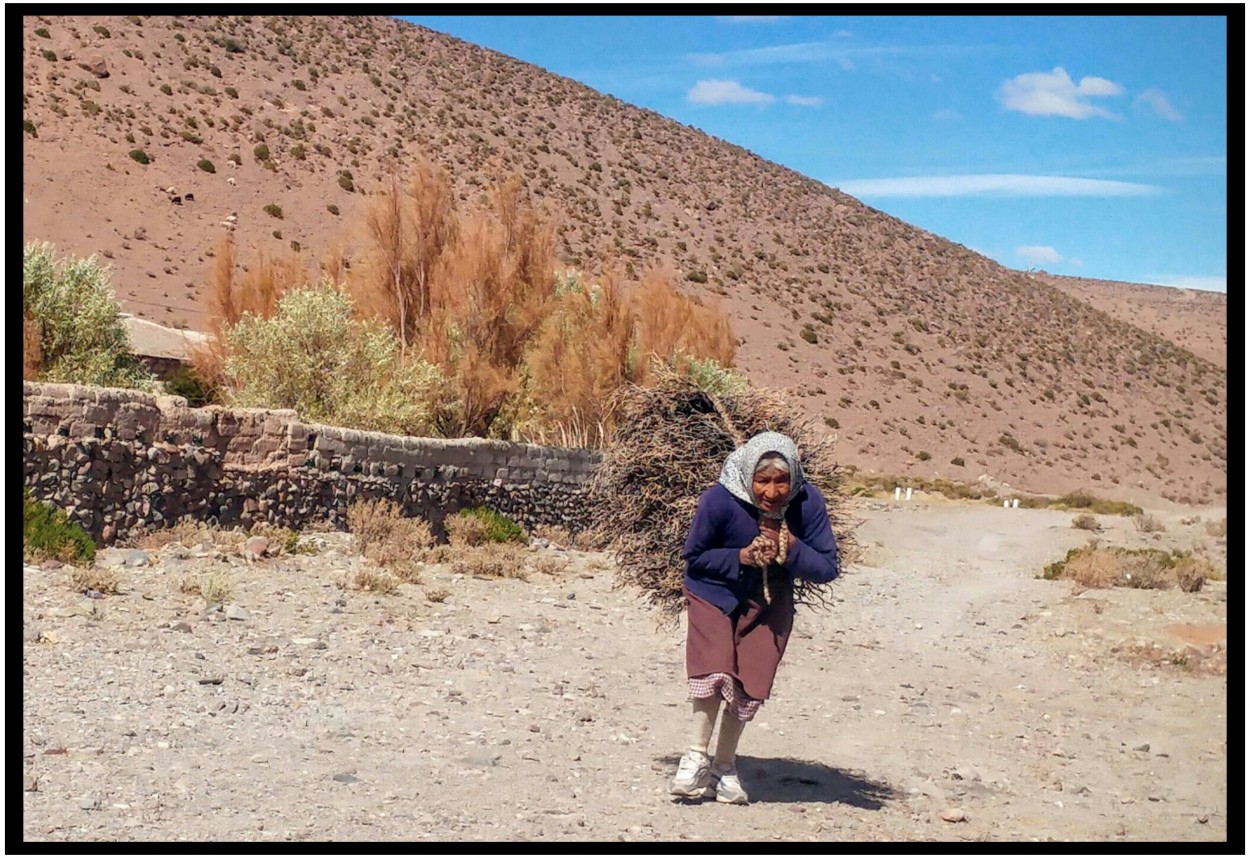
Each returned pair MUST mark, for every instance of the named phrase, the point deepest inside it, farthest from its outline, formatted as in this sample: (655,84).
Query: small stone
(954,814)
(234,612)
(1142,747)
(88,803)
(345,778)
(1203,820)
(32,785)
(534,728)
(180,626)
(254,548)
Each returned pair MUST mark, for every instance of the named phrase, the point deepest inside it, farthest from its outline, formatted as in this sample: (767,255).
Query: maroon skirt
(746,644)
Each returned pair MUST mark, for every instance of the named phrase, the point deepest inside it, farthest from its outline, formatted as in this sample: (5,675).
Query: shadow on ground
(787,780)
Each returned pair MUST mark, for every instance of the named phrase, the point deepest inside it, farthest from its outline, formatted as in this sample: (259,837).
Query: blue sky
(1089,146)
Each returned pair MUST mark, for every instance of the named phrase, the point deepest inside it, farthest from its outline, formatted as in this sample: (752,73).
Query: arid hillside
(924,357)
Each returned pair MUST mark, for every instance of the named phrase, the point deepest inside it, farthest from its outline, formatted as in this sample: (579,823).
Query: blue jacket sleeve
(705,552)
(813,554)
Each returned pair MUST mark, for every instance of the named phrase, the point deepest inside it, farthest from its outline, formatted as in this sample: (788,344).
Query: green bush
(495,527)
(206,165)
(77,318)
(29,128)
(312,356)
(696,276)
(261,151)
(274,210)
(43,33)
(186,382)
(924,456)
(48,533)
(50,56)
(346,183)
(140,156)
(808,334)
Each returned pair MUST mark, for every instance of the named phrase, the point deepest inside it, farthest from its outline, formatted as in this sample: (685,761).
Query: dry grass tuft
(554,565)
(1217,528)
(216,586)
(1086,522)
(670,444)
(96,578)
(492,560)
(188,533)
(390,540)
(1199,661)
(1148,523)
(375,581)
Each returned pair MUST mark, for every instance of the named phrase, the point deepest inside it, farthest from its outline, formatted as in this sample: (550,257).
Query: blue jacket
(723,525)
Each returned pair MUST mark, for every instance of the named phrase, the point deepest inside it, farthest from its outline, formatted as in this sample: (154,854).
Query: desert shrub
(140,156)
(274,210)
(924,456)
(1217,528)
(261,152)
(1140,568)
(206,165)
(49,55)
(490,560)
(332,209)
(235,158)
(958,461)
(47,533)
(388,538)
(1085,521)
(90,577)
(42,32)
(375,581)
(215,587)
(187,532)
(555,535)
(345,182)
(482,525)
(78,326)
(29,128)
(809,334)
(1081,499)
(696,276)
(312,356)
(1148,523)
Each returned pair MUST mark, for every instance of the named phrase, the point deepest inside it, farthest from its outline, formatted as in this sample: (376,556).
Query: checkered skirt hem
(740,703)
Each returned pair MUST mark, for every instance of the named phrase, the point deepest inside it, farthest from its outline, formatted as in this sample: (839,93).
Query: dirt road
(946,681)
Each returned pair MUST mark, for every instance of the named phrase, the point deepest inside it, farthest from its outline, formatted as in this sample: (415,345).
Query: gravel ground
(949,694)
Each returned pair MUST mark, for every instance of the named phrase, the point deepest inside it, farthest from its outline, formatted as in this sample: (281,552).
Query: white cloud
(726,92)
(1054,94)
(1038,254)
(1218,283)
(750,19)
(1003,185)
(804,100)
(1157,102)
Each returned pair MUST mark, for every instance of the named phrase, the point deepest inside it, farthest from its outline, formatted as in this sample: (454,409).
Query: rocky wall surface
(120,460)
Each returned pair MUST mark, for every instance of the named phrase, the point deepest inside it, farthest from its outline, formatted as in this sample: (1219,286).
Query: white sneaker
(729,789)
(694,776)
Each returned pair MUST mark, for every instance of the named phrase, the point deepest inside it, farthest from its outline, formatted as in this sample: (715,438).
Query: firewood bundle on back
(670,443)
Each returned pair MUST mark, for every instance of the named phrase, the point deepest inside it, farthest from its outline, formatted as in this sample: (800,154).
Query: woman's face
(771,487)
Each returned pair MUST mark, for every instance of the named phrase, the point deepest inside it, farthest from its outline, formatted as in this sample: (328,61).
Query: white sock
(727,743)
(705,712)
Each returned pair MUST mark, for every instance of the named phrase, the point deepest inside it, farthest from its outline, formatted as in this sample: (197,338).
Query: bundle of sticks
(671,440)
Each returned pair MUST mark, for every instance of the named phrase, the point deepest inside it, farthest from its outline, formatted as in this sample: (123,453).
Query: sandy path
(946,677)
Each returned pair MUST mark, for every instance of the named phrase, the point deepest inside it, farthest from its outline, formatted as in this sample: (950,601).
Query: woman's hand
(760,552)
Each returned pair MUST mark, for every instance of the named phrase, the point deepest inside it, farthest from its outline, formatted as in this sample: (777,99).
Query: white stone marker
(897,492)
(909,492)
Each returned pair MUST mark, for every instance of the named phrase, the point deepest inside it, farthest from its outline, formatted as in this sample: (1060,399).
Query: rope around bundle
(671,440)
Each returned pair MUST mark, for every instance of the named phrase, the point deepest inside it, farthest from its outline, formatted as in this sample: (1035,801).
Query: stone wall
(120,460)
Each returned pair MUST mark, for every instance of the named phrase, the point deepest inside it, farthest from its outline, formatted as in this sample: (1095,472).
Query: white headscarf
(739,469)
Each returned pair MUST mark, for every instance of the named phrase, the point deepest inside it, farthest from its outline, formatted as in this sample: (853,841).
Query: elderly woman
(757,529)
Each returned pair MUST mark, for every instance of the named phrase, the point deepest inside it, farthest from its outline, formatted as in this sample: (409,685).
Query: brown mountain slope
(927,358)
(1193,319)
